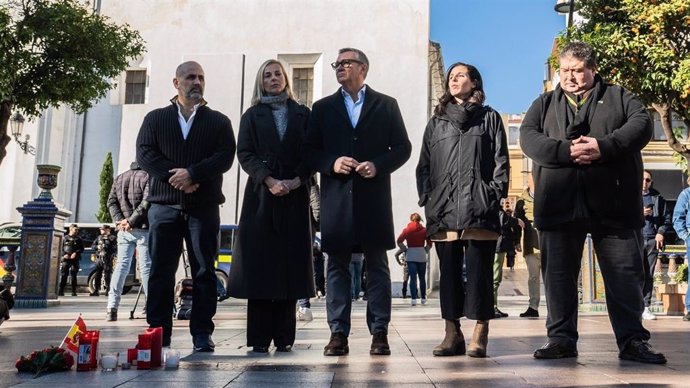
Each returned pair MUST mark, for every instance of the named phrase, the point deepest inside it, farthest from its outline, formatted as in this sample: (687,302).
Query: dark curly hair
(477,96)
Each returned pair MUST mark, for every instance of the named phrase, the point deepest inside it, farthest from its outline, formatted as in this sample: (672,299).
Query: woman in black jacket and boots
(461,177)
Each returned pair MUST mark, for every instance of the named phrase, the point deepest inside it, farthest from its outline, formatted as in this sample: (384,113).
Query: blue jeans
(126,243)
(356,274)
(417,269)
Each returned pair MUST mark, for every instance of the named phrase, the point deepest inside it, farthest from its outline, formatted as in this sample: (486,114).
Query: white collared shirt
(186,125)
(354,109)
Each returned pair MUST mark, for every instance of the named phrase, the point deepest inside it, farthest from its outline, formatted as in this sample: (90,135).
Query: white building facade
(230,39)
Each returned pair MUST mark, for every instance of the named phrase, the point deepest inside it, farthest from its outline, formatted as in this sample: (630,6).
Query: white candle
(172,359)
(109,362)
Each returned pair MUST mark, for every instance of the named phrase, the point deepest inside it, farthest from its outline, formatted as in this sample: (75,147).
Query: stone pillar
(41,245)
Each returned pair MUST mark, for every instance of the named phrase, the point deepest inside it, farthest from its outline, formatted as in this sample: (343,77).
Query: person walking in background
(585,139)
(400,258)
(105,249)
(508,241)
(657,220)
(185,148)
(273,272)
(303,304)
(6,303)
(681,224)
(72,248)
(356,140)
(524,212)
(462,175)
(356,273)
(415,256)
(128,207)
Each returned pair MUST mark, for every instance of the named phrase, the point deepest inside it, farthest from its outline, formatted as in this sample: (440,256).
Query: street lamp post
(566,6)
(16,126)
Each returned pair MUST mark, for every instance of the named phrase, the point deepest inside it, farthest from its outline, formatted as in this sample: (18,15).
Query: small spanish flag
(71,341)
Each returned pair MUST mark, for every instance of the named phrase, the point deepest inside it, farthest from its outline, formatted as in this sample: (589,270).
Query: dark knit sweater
(207,153)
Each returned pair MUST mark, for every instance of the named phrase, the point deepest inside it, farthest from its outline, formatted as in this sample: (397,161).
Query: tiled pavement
(414,331)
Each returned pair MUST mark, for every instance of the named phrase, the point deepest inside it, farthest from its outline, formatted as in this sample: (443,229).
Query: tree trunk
(665,114)
(5,139)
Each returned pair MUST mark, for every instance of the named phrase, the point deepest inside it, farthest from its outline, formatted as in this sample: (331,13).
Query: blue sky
(507,40)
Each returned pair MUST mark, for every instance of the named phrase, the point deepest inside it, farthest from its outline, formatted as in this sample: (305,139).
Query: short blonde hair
(259,84)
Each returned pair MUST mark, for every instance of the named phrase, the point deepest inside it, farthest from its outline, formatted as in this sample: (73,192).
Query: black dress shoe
(530,313)
(641,351)
(203,343)
(379,345)
(499,314)
(552,350)
(260,349)
(337,346)
(284,348)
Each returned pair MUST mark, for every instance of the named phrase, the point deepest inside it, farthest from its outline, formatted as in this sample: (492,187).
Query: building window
(303,84)
(135,87)
(513,135)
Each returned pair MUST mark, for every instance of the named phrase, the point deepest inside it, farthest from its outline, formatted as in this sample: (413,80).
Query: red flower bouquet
(50,359)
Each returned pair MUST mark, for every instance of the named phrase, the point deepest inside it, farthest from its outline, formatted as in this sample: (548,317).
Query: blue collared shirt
(354,108)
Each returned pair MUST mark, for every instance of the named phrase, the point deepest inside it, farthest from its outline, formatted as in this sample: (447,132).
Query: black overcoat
(272,258)
(356,211)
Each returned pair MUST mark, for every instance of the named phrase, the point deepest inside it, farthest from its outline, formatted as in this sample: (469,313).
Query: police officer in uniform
(105,246)
(72,248)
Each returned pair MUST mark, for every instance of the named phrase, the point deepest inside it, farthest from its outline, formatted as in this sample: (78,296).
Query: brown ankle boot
(480,339)
(454,343)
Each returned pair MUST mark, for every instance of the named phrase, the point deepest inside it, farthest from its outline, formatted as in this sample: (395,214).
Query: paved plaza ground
(414,331)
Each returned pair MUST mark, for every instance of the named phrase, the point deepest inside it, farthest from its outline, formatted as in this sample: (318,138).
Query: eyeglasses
(647,179)
(346,63)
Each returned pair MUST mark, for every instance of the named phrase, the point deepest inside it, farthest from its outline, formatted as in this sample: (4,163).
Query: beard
(195,94)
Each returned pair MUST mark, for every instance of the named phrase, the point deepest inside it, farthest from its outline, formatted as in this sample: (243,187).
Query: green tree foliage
(643,45)
(106,179)
(56,52)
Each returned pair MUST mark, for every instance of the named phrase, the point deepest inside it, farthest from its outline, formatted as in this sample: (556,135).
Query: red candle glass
(156,345)
(144,352)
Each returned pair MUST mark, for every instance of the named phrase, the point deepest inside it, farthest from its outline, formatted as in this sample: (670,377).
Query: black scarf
(461,114)
(577,124)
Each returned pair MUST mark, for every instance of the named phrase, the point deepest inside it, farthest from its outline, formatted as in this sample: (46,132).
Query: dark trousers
(406,279)
(103,270)
(168,227)
(319,274)
(271,320)
(69,268)
(619,257)
(474,300)
(378,291)
(650,254)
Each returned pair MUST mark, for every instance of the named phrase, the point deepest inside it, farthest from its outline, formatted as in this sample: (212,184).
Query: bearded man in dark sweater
(585,139)
(185,148)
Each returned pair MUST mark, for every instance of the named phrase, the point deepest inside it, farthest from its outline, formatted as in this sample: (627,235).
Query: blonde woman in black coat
(461,176)
(272,260)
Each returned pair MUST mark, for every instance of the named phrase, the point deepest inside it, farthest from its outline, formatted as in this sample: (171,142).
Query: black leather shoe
(337,346)
(379,345)
(260,349)
(95,293)
(203,343)
(552,350)
(530,313)
(686,317)
(499,314)
(284,348)
(641,351)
